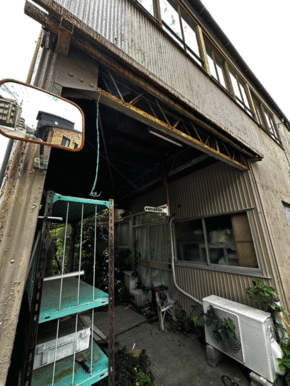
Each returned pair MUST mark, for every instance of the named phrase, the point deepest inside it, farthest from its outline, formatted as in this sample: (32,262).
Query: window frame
(65,140)
(181,41)
(201,58)
(240,99)
(215,54)
(261,114)
(216,267)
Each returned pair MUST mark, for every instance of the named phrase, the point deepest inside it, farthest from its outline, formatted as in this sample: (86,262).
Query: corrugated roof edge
(204,14)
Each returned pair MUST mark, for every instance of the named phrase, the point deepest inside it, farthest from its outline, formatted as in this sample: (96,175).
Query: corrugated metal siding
(149,48)
(107,17)
(217,189)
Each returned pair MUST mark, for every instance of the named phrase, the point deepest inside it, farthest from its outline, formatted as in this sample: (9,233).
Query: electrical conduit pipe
(173,268)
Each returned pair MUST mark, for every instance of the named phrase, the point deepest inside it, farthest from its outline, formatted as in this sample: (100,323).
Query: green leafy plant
(131,371)
(223,329)
(186,322)
(267,297)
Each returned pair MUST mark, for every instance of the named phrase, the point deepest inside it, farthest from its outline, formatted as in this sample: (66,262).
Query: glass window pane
(270,124)
(221,242)
(245,98)
(220,66)
(190,244)
(148,5)
(190,34)
(230,241)
(170,16)
(259,111)
(211,62)
(235,84)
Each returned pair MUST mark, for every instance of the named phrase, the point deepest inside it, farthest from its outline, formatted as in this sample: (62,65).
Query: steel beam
(140,115)
(91,42)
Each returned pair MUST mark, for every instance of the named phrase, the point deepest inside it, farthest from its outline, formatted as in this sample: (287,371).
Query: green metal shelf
(64,370)
(49,309)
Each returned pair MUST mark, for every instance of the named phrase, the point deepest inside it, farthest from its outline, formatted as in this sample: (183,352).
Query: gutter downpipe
(173,268)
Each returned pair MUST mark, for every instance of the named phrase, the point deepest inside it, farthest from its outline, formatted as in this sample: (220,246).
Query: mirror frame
(42,143)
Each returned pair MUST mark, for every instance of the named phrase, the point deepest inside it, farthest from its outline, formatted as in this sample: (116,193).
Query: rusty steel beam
(88,40)
(140,115)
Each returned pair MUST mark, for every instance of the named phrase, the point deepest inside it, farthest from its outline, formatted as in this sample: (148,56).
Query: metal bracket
(40,163)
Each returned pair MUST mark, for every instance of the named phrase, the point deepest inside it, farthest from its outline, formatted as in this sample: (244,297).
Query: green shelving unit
(69,295)
(64,371)
(89,298)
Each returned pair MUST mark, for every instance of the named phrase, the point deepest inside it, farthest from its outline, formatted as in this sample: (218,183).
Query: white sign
(158,209)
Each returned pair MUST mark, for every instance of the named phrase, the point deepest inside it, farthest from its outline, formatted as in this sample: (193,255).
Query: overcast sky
(259,30)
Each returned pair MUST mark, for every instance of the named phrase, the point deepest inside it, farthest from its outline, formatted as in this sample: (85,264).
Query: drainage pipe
(173,269)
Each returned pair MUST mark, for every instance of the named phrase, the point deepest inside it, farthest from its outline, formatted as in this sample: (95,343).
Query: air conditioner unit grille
(232,347)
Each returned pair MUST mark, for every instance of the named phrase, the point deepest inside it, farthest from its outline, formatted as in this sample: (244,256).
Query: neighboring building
(9,110)
(21,123)
(57,130)
(180,120)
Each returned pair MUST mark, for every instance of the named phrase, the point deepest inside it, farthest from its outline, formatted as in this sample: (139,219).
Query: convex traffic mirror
(28,113)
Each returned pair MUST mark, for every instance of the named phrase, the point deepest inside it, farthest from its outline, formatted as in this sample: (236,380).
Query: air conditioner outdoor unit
(255,346)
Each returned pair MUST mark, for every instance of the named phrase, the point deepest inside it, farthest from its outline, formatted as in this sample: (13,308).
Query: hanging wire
(95,194)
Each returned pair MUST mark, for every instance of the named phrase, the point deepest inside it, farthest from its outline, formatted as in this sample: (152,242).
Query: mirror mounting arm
(40,163)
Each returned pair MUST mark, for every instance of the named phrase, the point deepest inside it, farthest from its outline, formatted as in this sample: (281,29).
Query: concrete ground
(176,359)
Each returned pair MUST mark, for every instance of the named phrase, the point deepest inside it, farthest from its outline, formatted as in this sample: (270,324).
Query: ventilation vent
(232,347)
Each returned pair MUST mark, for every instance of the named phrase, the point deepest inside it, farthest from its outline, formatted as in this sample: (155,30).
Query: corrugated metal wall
(141,38)
(107,17)
(217,189)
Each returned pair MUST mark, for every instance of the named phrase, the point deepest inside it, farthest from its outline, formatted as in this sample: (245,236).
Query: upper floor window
(148,5)
(240,91)
(271,126)
(177,23)
(216,65)
(190,36)
(266,119)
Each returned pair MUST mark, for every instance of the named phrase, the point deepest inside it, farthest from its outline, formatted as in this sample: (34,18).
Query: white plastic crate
(131,282)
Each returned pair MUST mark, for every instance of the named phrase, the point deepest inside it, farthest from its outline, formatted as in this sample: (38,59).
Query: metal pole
(111,339)
(37,292)
(33,61)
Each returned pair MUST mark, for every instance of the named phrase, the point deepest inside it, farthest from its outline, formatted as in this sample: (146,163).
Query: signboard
(158,209)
